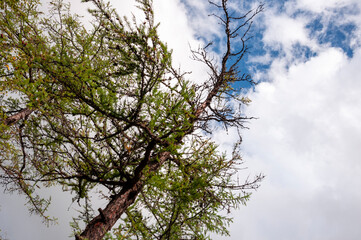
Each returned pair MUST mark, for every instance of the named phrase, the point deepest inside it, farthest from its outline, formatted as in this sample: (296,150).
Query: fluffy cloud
(175,30)
(319,6)
(285,31)
(306,142)
(307,137)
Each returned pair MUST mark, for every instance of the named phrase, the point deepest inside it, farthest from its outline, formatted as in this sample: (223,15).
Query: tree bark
(107,217)
(18,116)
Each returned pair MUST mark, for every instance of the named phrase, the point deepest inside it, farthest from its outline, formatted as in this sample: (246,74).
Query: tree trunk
(106,219)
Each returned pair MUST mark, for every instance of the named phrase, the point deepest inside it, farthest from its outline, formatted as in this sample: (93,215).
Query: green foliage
(102,104)
(184,199)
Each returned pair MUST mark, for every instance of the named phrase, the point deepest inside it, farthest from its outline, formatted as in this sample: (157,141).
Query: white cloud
(319,5)
(198,12)
(175,30)
(285,30)
(285,33)
(265,59)
(306,141)
(307,137)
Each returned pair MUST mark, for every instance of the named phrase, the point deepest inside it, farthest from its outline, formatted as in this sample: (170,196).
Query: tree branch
(18,116)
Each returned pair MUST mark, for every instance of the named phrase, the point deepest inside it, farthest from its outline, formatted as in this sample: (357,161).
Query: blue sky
(306,57)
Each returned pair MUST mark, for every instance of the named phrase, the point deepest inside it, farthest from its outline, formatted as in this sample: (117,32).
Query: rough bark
(107,217)
(18,116)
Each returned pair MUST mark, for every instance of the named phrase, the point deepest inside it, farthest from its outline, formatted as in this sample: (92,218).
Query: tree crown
(103,108)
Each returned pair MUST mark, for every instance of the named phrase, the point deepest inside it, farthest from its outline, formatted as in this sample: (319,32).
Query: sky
(306,58)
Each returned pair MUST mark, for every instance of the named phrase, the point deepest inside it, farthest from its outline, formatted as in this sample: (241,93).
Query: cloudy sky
(306,56)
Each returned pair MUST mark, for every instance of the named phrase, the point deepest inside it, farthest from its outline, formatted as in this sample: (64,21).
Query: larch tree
(101,109)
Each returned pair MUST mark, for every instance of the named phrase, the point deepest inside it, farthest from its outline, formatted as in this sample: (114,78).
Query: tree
(103,109)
